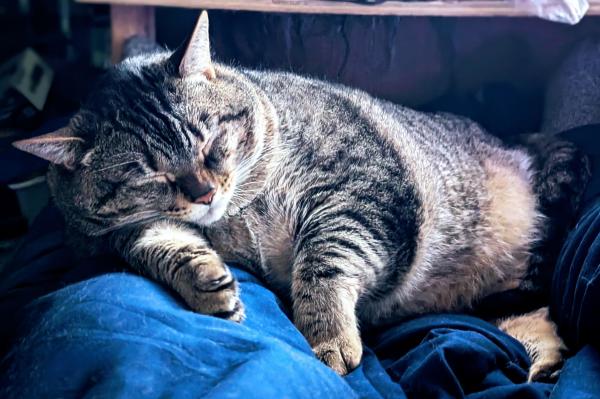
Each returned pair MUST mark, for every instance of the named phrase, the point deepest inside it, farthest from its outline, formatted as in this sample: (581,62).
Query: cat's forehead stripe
(141,106)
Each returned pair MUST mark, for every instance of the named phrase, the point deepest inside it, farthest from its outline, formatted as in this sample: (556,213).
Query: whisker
(115,166)
(137,217)
(128,154)
(245,184)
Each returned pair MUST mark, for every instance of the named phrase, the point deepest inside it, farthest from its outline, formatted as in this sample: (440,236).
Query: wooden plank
(129,20)
(468,8)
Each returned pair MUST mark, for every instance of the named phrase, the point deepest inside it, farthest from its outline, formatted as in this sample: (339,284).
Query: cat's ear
(61,147)
(193,57)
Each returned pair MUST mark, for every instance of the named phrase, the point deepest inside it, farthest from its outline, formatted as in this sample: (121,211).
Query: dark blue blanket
(109,333)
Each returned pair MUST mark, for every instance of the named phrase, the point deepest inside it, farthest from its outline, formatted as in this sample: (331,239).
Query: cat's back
(459,203)
(442,154)
(303,102)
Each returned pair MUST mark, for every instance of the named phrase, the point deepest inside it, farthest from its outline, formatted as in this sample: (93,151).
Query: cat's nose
(206,196)
(196,189)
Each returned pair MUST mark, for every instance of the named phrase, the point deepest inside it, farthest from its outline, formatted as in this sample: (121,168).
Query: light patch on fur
(279,254)
(538,334)
(488,257)
(512,207)
(217,208)
(167,234)
(276,249)
(204,215)
(87,158)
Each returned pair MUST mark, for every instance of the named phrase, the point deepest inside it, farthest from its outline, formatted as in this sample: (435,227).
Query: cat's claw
(238,314)
(223,302)
(341,353)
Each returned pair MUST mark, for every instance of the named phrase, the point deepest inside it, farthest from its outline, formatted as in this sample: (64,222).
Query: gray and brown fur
(358,211)
(536,331)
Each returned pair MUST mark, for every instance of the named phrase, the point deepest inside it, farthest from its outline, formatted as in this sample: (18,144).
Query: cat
(357,211)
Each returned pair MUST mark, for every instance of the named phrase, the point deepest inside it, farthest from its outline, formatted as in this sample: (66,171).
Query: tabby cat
(356,210)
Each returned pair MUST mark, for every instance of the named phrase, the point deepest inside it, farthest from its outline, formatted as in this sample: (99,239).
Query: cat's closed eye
(234,116)
(212,160)
(216,152)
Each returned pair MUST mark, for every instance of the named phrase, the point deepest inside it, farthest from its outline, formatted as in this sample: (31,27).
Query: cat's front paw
(342,352)
(207,285)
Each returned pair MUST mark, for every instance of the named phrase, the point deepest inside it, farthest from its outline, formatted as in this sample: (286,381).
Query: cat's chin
(204,215)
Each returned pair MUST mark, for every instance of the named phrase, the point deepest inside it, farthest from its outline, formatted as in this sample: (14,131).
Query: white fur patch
(165,233)
(204,215)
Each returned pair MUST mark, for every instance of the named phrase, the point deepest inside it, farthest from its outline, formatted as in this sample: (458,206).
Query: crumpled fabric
(576,284)
(123,336)
(88,328)
(565,11)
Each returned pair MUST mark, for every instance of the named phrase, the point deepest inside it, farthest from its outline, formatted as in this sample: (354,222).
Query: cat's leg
(326,284)
(537,332)
(324,311)
(180,258)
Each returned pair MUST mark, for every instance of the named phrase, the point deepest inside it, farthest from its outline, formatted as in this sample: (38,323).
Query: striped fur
(358,211)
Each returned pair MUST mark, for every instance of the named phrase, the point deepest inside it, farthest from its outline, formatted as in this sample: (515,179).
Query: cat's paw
(545,371)
(342,352)
(207,285)
(547,360)
(538,334)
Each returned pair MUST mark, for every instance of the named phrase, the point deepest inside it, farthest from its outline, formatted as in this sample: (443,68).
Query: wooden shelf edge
(466,8)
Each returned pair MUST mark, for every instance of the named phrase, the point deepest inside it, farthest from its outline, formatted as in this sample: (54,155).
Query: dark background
(494,70)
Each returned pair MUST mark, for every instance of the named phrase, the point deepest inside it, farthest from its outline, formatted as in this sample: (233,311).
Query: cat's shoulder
(289,82)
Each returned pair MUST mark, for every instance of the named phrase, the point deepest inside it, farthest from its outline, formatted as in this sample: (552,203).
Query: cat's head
(163,135)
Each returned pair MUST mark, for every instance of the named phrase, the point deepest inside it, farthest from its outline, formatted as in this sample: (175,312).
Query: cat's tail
(561,174)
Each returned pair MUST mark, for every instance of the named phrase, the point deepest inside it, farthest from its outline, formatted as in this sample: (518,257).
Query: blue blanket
(89,329)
